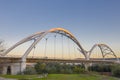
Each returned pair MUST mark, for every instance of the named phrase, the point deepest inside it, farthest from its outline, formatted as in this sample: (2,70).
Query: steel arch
(39,35)
(105,50)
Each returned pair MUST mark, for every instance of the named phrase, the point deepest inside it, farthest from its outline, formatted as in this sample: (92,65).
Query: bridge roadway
(6,60)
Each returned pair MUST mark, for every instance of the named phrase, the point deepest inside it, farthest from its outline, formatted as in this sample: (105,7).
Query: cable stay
(33,52)
(74,51)
(33,49)
(46,39)
(55,46)
(62,46)
(69,48)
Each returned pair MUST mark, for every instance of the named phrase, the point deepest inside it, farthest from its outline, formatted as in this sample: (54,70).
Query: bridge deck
(34,60)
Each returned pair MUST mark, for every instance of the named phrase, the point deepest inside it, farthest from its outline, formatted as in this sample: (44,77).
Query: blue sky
(91,21)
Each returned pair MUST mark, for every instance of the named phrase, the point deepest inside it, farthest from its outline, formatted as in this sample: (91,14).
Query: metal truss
(105,50)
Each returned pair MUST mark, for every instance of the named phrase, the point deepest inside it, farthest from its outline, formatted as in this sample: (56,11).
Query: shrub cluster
(113,69)
(62,68)
(29,70)
(58,68)
(101,68)
(116,70)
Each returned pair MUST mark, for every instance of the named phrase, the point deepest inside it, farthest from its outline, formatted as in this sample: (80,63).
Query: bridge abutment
(13,68)
(4,70)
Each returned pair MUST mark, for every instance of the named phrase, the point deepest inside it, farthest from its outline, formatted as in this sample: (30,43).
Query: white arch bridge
(37,37)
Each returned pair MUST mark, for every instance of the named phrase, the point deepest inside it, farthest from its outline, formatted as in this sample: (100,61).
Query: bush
(78,69)
(100,68)
(116,70)
(29,70)
(40,68)
(58,68)
(23,79)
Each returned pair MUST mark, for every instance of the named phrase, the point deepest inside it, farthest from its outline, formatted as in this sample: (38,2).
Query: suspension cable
(54,46)
(33,52)
(98,54)
(95,54)
(62,46)
(74,51)
(45,47)
(69,49)
(33,49)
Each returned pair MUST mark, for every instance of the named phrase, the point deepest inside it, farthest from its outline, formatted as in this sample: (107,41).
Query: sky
(90,21)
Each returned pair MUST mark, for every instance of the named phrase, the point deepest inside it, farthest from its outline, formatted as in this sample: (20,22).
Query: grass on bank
(62,77)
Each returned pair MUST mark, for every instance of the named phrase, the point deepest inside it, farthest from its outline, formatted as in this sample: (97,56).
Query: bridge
(19,63)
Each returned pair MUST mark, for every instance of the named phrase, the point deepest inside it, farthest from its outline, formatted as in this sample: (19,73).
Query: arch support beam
(105,50)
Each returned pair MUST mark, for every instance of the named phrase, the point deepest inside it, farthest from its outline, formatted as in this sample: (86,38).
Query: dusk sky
(91,21)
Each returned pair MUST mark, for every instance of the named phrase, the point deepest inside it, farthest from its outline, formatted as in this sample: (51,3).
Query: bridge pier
(86,66)
(22,66)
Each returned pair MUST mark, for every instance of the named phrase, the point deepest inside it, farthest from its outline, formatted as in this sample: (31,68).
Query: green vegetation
(116,70)
(101,68)
(78,77)
(29,70)
(61,68)
(58,68)
(113,69)
(19,76)
(62,77)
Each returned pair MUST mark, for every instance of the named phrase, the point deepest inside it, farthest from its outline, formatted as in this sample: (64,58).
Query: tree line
(55,68)
(64,68)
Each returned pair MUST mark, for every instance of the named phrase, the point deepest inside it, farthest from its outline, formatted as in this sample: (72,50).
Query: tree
(101,68)
(116,70)
(40,68)
(78,69)
(59,68)
(29,71)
